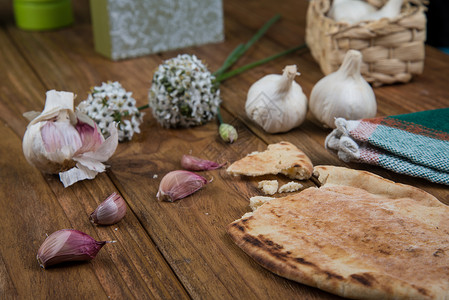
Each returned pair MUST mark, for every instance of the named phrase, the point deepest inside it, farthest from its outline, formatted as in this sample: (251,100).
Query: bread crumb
(256,201)
(290,187)
(269,187)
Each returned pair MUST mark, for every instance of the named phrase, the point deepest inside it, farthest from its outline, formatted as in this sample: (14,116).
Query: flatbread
(281,158)
(358,236)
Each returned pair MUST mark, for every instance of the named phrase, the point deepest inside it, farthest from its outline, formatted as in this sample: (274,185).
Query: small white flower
(109,103)
(183,93)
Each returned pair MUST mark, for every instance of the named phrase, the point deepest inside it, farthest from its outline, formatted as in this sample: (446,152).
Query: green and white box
(130,28)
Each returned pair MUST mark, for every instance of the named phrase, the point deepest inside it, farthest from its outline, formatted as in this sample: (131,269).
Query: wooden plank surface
(163,250)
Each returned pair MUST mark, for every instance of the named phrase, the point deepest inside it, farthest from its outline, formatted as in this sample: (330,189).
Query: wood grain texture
(164,250)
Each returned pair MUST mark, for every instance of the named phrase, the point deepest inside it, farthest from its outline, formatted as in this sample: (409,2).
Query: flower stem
(143,107)
(244,68)
(219,117)
(242,48)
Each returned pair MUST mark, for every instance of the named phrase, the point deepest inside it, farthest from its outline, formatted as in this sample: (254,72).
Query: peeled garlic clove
(343,94)
(110,211)
(276,102)
(68,245)
(193,163)
(179,184)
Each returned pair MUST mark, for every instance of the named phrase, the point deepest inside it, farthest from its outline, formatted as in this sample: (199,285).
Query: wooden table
(163,250)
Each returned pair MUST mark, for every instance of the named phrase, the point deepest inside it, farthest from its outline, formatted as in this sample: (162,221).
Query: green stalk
(241,49)
(244,68)
(143,107)
(227,63)
(219,117)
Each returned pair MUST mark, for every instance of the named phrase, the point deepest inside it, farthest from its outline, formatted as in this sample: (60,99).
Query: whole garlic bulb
(350,11)
(354,11)
(343,94)
(276,102)
(60,140)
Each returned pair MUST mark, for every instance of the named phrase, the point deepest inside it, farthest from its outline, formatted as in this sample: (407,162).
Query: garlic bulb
(343,94)
(350,11)
(59,140)
(353,11)
(390,10)
(276,102)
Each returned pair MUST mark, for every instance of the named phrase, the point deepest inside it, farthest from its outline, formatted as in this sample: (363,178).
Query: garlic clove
(228,133)
(60,136)
(110,211)
(90,136)
(179,184)
(193,163)
(68,245)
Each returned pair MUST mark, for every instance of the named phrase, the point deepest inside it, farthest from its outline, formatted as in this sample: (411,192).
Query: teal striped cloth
(415,144)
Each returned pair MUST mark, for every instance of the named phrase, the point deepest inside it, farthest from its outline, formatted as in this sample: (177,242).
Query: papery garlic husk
(110,211)
(343,94)
(67,245)
(276,102)
(179,184)
(59,140)
(193,163)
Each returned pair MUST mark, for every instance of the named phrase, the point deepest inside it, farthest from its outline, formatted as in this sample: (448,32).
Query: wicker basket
(393,49)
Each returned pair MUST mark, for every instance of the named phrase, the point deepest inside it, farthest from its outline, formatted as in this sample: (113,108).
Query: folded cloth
(415,144)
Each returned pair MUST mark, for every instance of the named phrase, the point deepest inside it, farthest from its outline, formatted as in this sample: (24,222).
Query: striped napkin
(415,144)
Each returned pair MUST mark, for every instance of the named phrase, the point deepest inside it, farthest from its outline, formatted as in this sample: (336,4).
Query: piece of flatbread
(358,236)
(281,158)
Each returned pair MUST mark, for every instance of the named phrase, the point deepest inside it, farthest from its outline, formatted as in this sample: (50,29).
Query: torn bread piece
(358,235)
(290,187)
(256,201)
(280,158)
(269,187)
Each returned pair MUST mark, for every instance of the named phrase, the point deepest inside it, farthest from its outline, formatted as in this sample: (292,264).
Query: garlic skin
(59,140)
(179,184)
(343,94)
(276,102)
(110,211)
(68,245)
(193,163)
